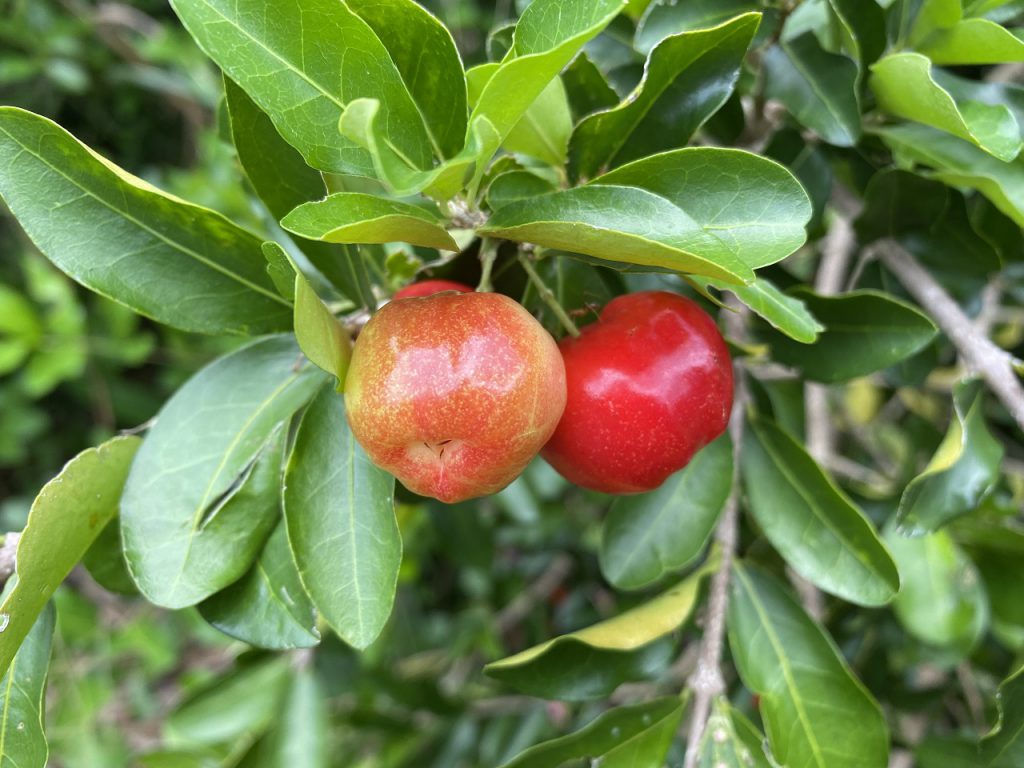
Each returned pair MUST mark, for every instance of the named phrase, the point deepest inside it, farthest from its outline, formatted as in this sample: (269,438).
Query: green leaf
(974,41)
(66,517)
(865,331)
(175,262)
(201,499)
(816,527)
(267,607)
(904,86)
(299,737)
(961,164)
(235,707)
(341,524)
(105,561)
(963,470)
(785,313)
(862,25)
(817,87)
(730,740)
(424,52)
(516,185)
(648,535)
(23,690)
(708,211)
(547,36)
(942,601)
(321,337)
(302,64)
(355,217)
(687,78)
(586,87)
(816,712)
(932,15)
(670,18)
(590,663)
(610,736)
(283,181)
(1003,747)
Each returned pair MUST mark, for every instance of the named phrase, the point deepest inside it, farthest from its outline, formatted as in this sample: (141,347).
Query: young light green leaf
(267,607)
(614,731)
(942,601)
(974,41)
(819,531)
(816,713)
(730,740)
(239,705)
(592,662)
(1003,746)
(963,470)
(904,86)
(646,536)
(299,738)
(663,19)
(686,79)
(425,54)
(201,499)
(355,217)
(960,164)
(819,88)
(865,331)
(175,262)
(713,212)
(341,524)
(65,519)
(283,181)
(23,690)
(785,313)
(302,64)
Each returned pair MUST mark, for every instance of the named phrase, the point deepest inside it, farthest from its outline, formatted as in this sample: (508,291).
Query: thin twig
(488,253)
(981,356)
(548,296)
(539,590)
(707,681)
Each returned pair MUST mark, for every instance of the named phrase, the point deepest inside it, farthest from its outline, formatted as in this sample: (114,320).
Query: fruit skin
(430,287)
(454,393)
(649,384)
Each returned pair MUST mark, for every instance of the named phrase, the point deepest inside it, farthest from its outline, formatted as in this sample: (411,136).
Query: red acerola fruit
(649,384)
(429,288)
(454,393)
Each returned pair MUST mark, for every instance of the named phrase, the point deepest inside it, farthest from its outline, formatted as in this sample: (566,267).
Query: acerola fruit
(429,288)
(649,385)
(454,393)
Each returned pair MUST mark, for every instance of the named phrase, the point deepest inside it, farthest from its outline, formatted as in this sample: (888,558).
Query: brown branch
(981,356)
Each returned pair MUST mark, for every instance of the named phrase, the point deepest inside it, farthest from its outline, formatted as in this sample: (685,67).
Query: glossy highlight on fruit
(454,393)
(649,384)
(429,288)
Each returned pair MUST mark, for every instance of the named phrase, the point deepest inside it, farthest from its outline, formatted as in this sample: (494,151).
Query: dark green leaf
(178,263)
(816,713)
(649,535)
(302,64)
(904,86)
(609,736)
(592,662)
(355,217)
(865,331)
(817,87)
(341,524)
(267,607)
(664,18)
(964,468)
(423,50)
(65,519)
(105,561)
(23,690)
(1004,746)
(816,527)
(202,495)
(942,600)
(862,24)
(686,79)
(516,185)
(587,88)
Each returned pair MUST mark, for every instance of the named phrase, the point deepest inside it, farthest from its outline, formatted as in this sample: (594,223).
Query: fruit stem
(548,296)
(488,253)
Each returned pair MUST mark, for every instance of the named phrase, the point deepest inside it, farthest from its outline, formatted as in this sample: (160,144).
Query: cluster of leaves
(376,156)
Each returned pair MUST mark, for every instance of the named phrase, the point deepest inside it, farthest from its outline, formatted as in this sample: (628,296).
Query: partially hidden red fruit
(454,393)
(429,288)
(649,384)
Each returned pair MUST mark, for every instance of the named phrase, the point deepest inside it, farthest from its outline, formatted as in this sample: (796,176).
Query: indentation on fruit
(437,447)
